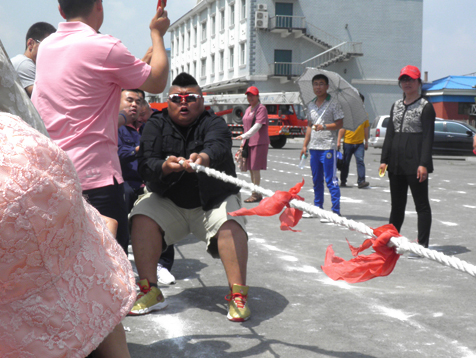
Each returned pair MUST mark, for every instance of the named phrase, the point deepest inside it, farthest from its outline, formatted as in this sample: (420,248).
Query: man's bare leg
(146,238)
(233,250)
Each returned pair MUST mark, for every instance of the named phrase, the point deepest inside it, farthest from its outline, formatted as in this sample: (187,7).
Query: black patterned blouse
(409,138)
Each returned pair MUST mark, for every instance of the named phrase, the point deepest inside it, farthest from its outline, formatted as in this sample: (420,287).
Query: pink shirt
(79,77)
(262,136)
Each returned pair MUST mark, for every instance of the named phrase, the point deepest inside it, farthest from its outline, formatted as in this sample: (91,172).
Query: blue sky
(449,29)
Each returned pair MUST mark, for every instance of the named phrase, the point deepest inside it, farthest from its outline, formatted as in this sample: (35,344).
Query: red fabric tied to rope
(274,204)
(363,268)
(164,2)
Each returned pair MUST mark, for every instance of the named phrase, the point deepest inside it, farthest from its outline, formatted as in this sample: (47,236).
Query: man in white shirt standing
(25,64)
(325,118)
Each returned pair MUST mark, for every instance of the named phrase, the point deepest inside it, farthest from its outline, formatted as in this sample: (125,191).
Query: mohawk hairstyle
(184,80)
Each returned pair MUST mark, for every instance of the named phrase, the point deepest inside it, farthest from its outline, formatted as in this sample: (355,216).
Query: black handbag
(246,149)
(245,152)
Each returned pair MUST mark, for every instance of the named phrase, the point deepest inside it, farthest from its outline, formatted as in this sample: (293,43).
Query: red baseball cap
(253,90)
(410,71)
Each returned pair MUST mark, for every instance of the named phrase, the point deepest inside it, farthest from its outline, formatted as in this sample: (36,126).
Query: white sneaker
(164,276)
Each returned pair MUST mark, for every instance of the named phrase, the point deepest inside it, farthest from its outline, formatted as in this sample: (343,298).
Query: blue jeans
(358,150)
(323,166)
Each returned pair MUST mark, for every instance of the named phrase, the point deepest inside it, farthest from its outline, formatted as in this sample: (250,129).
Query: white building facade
(228,45)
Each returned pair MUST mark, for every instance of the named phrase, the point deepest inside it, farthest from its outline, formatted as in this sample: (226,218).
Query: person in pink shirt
(255,126)
(80,74)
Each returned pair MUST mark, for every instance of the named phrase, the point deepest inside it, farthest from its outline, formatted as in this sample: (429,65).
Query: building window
(284,14)
(183,42)
(183,69)
(232,57)
(213,26)
(172,48)
(222,20)
(222,60)
(203,71)
(243,9)
(283,62)
(212,70)
(242,53)
(178,46)
(232,14)
(188,68)
(454,127)
(188,39)
(194,68)
(204,31)
(464,108)
(195,36)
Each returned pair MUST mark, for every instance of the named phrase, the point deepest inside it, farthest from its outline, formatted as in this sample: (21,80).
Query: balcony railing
(287,22)
(286,69)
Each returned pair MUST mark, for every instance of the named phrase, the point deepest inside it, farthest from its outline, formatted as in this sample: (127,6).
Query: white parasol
(340,90)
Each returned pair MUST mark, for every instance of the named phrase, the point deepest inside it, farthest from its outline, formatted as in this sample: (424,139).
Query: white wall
(390,32)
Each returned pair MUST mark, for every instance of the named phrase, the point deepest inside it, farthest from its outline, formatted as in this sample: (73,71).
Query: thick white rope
(402,245)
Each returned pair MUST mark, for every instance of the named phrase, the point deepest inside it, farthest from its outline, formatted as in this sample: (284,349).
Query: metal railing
(337,53)
(286,69)
(472,112)
(337,50)
(319,35)
(287,22)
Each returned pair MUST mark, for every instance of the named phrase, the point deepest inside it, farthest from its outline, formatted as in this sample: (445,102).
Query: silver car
(378,130)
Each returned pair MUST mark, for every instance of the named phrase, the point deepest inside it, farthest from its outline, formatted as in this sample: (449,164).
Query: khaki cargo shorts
(177,223)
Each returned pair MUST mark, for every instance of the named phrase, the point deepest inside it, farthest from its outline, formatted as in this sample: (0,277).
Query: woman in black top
(407,152)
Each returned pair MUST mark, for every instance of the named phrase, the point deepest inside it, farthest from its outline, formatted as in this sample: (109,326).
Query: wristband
(324,127)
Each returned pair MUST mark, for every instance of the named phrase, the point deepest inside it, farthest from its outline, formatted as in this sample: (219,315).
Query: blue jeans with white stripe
(323,166)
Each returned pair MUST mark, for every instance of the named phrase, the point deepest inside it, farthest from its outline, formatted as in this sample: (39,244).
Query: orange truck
(286,116)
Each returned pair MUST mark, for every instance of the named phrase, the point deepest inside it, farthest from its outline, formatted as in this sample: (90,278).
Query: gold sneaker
(149,299)
(238,310)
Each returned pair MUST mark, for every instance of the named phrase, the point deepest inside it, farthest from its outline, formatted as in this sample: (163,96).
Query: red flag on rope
(274,204)
(364,268)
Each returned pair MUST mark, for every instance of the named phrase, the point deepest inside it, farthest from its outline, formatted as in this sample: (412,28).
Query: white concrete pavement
(422,309)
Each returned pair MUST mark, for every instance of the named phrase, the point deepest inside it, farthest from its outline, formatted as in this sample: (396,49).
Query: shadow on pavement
(213,345)
(212,299)
(450,249)
(219,345)
(363,218)
(187,268)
